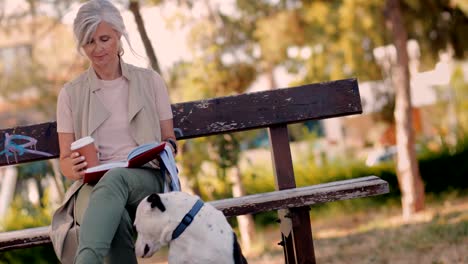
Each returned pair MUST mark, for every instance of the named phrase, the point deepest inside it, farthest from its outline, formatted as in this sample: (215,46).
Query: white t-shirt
(113,136)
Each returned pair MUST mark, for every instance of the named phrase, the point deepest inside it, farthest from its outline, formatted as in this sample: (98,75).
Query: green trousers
(106,222)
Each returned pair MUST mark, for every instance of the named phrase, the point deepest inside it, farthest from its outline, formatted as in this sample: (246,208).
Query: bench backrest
(209,117)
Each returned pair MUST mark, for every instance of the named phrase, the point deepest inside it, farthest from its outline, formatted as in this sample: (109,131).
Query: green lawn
(437,235)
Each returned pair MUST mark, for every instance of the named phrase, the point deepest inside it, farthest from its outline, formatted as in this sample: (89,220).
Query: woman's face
(103,48)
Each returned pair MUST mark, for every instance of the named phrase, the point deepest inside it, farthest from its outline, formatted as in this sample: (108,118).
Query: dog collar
(187,220)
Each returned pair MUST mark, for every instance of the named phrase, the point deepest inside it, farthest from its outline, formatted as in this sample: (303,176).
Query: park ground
(439,235)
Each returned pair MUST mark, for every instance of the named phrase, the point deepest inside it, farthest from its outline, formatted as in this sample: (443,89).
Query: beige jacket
(88,114)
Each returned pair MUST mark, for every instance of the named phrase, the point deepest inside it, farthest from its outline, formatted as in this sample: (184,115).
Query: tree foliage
(340,37)
(36,59)
(23,215)
(437,24)
(214,71)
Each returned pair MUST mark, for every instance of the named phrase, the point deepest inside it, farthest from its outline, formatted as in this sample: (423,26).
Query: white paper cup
(85,146)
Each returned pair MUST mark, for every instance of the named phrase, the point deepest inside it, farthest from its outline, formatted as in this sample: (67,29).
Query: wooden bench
(268,109)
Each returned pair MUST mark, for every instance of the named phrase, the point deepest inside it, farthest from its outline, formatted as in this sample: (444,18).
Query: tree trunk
(270,73)
(246,222)
(9,176)
(134,7)
(213,16)
(409,179)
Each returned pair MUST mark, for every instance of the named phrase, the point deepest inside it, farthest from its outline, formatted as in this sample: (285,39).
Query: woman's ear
(121,50)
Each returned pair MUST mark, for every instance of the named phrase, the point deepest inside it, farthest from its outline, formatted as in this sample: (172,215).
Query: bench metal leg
(288,249)
(297,239)
(302,235)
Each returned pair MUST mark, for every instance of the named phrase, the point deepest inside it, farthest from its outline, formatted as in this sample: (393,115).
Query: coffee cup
(85,146)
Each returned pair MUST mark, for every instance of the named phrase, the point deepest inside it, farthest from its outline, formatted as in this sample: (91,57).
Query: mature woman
(121,106)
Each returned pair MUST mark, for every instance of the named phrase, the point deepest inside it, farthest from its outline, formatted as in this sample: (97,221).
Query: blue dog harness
(187,220)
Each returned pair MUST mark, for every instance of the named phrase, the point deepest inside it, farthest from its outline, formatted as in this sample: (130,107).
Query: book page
(141,149)
(107,166)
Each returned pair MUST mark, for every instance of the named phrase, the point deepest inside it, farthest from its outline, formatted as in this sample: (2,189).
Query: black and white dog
(196,232)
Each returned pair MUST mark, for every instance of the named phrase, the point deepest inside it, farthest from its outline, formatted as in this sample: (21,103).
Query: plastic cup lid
(81,142)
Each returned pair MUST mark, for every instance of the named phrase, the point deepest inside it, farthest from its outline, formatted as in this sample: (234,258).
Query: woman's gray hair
(90,15)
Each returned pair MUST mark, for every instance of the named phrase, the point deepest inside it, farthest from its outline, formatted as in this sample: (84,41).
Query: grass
(439,235)
(417,242)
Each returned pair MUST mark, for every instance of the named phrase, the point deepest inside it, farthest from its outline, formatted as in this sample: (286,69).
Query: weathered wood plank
(25,238)
(28,143)
(267,108)
(251,204)
(208,117)
(297,197)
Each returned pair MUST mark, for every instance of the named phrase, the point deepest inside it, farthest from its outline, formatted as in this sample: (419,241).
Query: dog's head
(151,223)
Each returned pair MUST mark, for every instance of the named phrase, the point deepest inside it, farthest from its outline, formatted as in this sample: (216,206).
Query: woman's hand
(78,165)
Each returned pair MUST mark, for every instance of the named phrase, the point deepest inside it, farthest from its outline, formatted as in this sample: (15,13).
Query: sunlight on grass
(437,235)
(380,235)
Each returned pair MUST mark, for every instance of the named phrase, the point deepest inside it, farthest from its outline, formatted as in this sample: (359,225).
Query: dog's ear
(155,201)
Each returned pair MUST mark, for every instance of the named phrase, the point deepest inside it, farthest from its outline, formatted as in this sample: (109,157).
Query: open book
(136,158)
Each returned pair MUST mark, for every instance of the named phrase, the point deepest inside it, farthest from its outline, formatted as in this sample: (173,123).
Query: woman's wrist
(173,144)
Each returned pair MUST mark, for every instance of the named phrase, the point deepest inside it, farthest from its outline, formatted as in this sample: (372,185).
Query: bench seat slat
(304,196)
(24,238)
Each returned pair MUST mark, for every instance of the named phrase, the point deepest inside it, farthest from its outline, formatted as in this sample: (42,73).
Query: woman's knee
(114,175)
